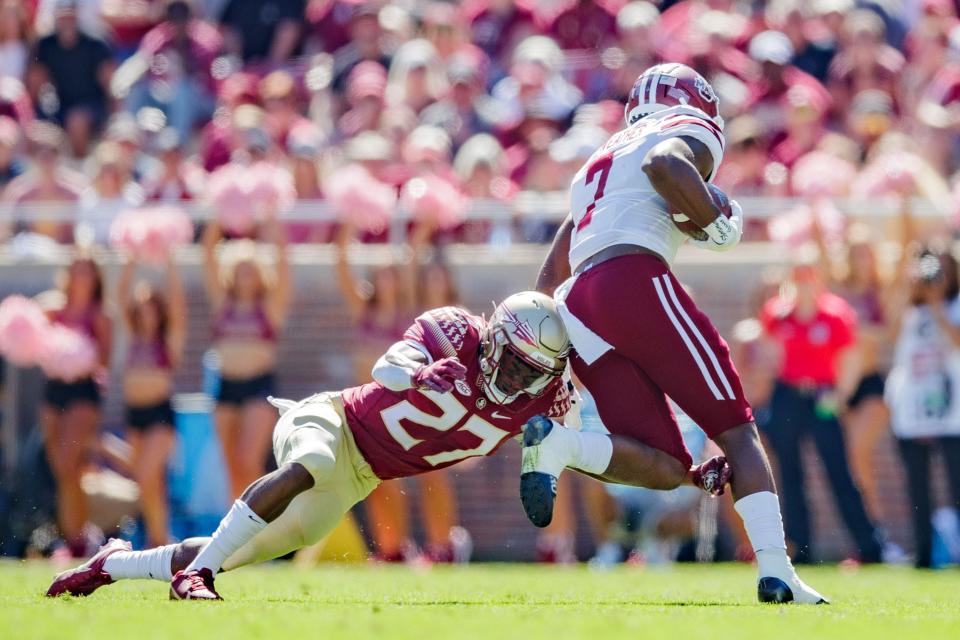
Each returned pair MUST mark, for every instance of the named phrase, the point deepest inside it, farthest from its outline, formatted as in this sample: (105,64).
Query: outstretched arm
(404,367)
(556,266)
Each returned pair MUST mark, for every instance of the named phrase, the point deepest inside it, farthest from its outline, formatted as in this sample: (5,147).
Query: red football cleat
(712,476)
(90,576)
(193,585)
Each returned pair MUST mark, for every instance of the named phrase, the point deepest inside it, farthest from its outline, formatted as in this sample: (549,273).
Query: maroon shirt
(403,433)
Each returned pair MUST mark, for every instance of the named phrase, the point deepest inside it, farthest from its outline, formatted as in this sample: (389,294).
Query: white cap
(771,46)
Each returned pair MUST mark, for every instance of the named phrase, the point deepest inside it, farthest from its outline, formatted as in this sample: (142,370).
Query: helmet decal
(704,89)
(521,329)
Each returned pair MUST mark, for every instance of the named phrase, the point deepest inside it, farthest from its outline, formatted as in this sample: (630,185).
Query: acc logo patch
(462,387)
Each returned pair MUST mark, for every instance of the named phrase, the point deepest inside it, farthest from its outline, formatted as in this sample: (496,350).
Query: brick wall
(314,352)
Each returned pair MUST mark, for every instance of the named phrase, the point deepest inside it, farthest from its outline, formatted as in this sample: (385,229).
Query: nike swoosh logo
(497,414)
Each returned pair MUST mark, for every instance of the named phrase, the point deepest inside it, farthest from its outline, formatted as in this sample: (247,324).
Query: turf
(490,601)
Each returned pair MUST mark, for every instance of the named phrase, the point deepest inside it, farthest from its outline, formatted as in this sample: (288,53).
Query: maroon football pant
(662,346)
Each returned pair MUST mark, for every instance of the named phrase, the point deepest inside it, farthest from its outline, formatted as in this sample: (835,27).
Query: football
(690,227)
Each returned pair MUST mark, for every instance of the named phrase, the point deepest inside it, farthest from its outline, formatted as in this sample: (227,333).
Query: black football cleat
(538,488)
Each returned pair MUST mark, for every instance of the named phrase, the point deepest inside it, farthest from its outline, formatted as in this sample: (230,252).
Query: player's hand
(723,233)
(439,376)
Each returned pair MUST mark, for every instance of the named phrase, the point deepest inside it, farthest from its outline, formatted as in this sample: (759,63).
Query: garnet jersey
(403,433)
(613,201)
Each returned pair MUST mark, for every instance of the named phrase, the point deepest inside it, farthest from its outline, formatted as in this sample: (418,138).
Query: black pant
(792,420)
(916,454)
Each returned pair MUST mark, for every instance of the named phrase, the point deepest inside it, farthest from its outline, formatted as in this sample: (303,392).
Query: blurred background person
(70,78)
(173,70)
(249,308)
(922,387)
(15,39)
(263,31)
(46,186)
(70,414)
(816,332)
(155,321)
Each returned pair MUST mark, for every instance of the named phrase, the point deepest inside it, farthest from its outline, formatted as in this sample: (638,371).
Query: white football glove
(723,233)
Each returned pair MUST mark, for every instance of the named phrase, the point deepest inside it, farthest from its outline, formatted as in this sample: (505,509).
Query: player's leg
(261,503)
(691,363)
(644,447)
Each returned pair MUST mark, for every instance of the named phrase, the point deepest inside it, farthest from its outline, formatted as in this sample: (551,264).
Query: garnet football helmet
(523,348)
(669,85)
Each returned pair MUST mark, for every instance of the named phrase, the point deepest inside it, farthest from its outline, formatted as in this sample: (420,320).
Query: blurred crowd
(108,104)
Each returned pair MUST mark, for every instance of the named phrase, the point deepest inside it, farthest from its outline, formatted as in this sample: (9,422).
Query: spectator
(156,329)
(815,331)
(172,70)
(11,165)
(498,26)
(773,51)
(47,182)
(173,178)
(922,387)
(70,78)
(444,28)
(366,43)
(249,309)
(70,414)
(263,31)
(814,47)
(128,22)
(865,61)
(366,90)
(89,17)
(111,192)
(14,39)
(416,78)
(583,24)
(278,94)
(460,112)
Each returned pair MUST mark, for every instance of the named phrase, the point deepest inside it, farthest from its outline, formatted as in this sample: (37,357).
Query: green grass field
(490,601)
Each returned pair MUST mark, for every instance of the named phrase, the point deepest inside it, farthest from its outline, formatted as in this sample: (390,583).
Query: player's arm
(405,366)
(677,169)
(556,267)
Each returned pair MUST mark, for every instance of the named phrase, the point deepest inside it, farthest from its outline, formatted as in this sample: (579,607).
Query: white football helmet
(524,347)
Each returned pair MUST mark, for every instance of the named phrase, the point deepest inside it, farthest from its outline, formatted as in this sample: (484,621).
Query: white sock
(152,564)
(596,449)
(237,528)
(761,518)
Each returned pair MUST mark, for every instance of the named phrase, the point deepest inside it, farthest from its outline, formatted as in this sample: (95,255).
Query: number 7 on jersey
(601,165)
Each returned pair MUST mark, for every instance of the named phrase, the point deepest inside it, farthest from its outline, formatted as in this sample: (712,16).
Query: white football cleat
(793,590)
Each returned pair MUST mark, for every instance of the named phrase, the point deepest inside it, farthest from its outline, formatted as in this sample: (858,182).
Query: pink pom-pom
(151,233)
(271,189)
(435,199)
(70,355)
(887,175)
(819,174)
(23,331)
(795,227)
(229,195)
(359,198)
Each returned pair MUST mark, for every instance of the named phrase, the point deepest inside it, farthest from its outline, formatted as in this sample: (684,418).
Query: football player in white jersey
(638,336)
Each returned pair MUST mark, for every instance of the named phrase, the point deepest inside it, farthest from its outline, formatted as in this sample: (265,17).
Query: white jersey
(923,389)
(612,199)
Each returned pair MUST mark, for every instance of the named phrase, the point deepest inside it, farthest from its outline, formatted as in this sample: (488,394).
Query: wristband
(721,230)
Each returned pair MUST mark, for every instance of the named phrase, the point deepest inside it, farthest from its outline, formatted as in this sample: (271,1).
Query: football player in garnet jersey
(638,337)
(455,387)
